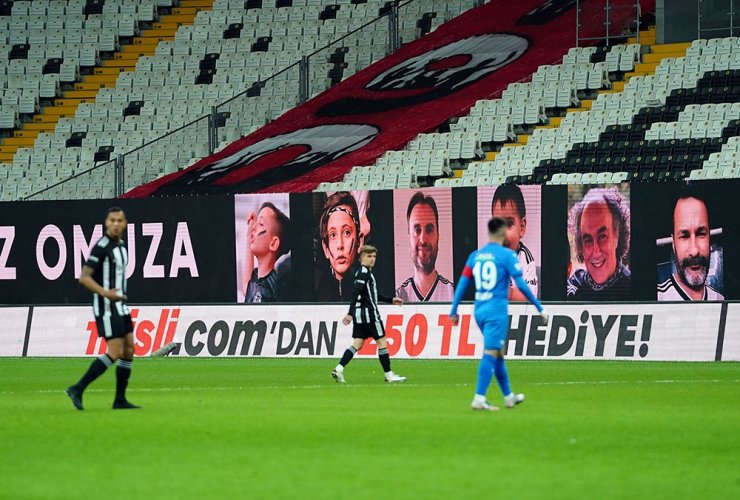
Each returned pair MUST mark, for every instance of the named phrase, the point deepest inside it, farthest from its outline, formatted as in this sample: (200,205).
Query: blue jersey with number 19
(492,268)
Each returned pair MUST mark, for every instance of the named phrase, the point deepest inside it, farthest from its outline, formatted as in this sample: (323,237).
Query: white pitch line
(350,385)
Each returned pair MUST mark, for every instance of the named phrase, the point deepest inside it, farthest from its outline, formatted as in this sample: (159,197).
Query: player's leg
(502,376)
(485,367)
(100,364)
(383,356)
(357,341)
(495,340)
(123,370)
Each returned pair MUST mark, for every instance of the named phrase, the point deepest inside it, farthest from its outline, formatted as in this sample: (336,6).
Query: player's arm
(88,282)
(390,300)
(359,285)
(515,269)
(515,295)
(460,289)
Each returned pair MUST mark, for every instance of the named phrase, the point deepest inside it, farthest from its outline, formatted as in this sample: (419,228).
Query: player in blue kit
(492,267)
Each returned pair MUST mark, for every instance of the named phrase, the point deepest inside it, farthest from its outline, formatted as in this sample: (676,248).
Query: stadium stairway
(102,75)
(651,56)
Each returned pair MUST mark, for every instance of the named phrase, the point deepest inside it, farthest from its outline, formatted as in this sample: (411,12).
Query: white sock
(389,373)
(479,398)
(339,368)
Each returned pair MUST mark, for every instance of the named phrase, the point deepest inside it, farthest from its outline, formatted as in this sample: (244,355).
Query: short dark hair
(620,213)
(685,193)
(418,198)
(113,210)
(283,223)
(495,224)
(510,193)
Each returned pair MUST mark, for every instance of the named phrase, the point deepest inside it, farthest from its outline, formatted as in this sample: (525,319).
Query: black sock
(347,356)
(123,372)
(97,368)
(385,359)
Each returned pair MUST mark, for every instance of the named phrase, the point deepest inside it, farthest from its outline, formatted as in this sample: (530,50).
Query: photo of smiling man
(695,264)
(599,235)
(423,231)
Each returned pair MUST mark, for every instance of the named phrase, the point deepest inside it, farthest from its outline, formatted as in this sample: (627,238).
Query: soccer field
(267,428)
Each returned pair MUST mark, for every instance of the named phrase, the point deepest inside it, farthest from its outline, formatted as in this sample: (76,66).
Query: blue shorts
(494,331)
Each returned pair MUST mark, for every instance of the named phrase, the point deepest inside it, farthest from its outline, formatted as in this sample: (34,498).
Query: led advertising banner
(639,242)
(649,332)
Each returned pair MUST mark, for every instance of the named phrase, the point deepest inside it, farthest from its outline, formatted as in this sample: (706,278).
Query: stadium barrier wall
(637,332)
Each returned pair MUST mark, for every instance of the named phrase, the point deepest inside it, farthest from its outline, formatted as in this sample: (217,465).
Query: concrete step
(108,71)
(68,101)
(646,67)
(148,41)
(19,142)
(202,4)
(166,26)
(186,11)
(91,86)
(39,127)
(633,74)
(670,47)
(108,79)
(59,110)
(656,58)
(140,49)
(177,18)
(124,64)
(26,133)
(167,34)
(79,94)
(41,118)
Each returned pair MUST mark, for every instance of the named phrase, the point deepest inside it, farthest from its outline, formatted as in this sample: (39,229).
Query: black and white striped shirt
(108,261)
(364,305)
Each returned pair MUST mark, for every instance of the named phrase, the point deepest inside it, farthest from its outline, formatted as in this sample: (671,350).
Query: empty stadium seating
(228,49)
(665,125)
(603,114)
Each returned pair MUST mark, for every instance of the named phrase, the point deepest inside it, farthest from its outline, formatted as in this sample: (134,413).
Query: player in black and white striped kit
(104,274)
(363,310)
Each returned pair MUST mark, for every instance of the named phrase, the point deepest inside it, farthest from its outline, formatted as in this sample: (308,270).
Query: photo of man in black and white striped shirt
(104,274)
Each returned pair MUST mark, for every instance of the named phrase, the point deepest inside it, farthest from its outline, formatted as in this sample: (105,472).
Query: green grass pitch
(282,428)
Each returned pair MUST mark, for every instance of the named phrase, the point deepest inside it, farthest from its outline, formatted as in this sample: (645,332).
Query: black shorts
(368,330)
(114,326)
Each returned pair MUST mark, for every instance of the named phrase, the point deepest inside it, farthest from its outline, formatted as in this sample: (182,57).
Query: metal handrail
(607,24)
